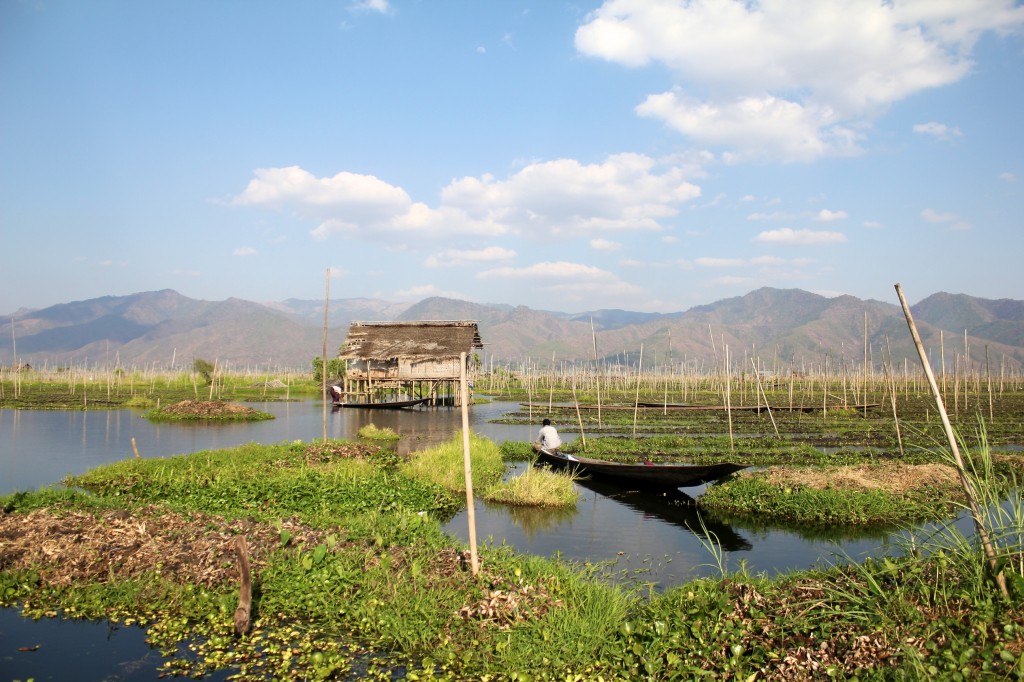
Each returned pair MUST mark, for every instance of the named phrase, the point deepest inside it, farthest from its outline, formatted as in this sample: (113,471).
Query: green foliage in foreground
(270,482)
(753,496)
(382,579)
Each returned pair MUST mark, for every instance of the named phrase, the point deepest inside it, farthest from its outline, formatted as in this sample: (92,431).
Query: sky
(649,155)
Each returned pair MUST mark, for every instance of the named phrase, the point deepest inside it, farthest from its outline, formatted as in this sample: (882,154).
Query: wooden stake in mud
(972,498)
(244,610)
(468,467)
(636,401)
(135,448)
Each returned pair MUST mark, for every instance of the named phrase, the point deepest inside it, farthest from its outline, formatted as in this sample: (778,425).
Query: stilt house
(390,361)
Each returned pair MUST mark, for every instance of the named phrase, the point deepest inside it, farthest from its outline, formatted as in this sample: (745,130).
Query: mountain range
(161,329)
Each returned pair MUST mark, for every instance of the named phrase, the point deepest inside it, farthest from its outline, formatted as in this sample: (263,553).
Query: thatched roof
(423,339)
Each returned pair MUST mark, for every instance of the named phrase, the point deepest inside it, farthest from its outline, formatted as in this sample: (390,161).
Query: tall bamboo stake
(467,463)
(597,370)
(728,401)
(323,363)
(636,401)
(965,481)
(760,388)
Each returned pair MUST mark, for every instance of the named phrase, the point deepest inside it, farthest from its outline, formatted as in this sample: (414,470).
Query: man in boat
(547,439)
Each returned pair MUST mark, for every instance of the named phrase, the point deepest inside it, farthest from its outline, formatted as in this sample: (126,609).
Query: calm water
(637,536)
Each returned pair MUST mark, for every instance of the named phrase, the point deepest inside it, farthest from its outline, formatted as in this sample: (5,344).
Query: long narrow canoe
(643,476)
(386,405)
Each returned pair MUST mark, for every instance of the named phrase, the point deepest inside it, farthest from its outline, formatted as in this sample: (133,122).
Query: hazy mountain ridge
(161,327)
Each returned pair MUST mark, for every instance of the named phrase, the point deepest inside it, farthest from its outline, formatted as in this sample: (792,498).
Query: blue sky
(642,154)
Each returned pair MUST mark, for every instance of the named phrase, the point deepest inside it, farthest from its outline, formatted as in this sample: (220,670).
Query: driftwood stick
(244,610)
(135,448)
(965,481)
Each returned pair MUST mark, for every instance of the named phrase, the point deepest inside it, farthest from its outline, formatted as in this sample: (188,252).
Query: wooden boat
(642,476)
(386,405)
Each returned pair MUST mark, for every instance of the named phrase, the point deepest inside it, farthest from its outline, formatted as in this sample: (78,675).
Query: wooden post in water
(467,464)
(965,481)
(244,610)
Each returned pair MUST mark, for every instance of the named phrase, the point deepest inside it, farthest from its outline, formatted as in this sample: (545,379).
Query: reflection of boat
(677,509)
(385,405)
(643,476)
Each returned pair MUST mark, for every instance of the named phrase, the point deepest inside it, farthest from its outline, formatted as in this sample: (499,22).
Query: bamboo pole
(579,417)
(597,370)
(467,463)
(323,358)
(892,397)
(757,375)
(965,481)
(636,400)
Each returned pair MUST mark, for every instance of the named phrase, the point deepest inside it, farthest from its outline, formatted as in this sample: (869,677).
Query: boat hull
(643,476)
(389,405)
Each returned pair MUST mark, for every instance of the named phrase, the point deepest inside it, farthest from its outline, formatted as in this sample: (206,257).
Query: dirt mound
(894,478)
(207,409)
(72,546)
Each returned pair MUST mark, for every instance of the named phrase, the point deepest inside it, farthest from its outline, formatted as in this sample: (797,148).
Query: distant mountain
(772,327)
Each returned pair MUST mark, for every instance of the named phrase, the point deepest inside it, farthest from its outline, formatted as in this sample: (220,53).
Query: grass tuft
(536,488)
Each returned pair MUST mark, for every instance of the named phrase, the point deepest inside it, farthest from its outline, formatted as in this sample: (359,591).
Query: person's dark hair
(547,422)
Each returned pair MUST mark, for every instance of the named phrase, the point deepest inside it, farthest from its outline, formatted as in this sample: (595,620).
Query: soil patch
(209,409)
(894,478)
(73,546)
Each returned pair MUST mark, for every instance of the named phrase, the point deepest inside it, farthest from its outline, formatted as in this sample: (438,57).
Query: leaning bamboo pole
(965,481)
(760,388)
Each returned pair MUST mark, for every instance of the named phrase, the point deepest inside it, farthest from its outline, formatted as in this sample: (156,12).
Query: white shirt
(549,439)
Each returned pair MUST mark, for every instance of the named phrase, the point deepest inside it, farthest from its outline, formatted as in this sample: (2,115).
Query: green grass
(444,465)
(535,488)
(372,432)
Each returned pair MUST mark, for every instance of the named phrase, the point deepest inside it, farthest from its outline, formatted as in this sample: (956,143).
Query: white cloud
(706,262)
(776,215)
(788,79)
(873,224)
(600,244)
(960,226)
(1007,177)
(455,257)
(932,216)
(768,260)
(625,192)
(549,271)
(380,6)
(787,236)
(938,130)
(245,251)
(565,197)
(827,216)
(758,127)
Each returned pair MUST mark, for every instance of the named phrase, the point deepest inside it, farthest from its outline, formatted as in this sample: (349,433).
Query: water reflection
(677,510)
